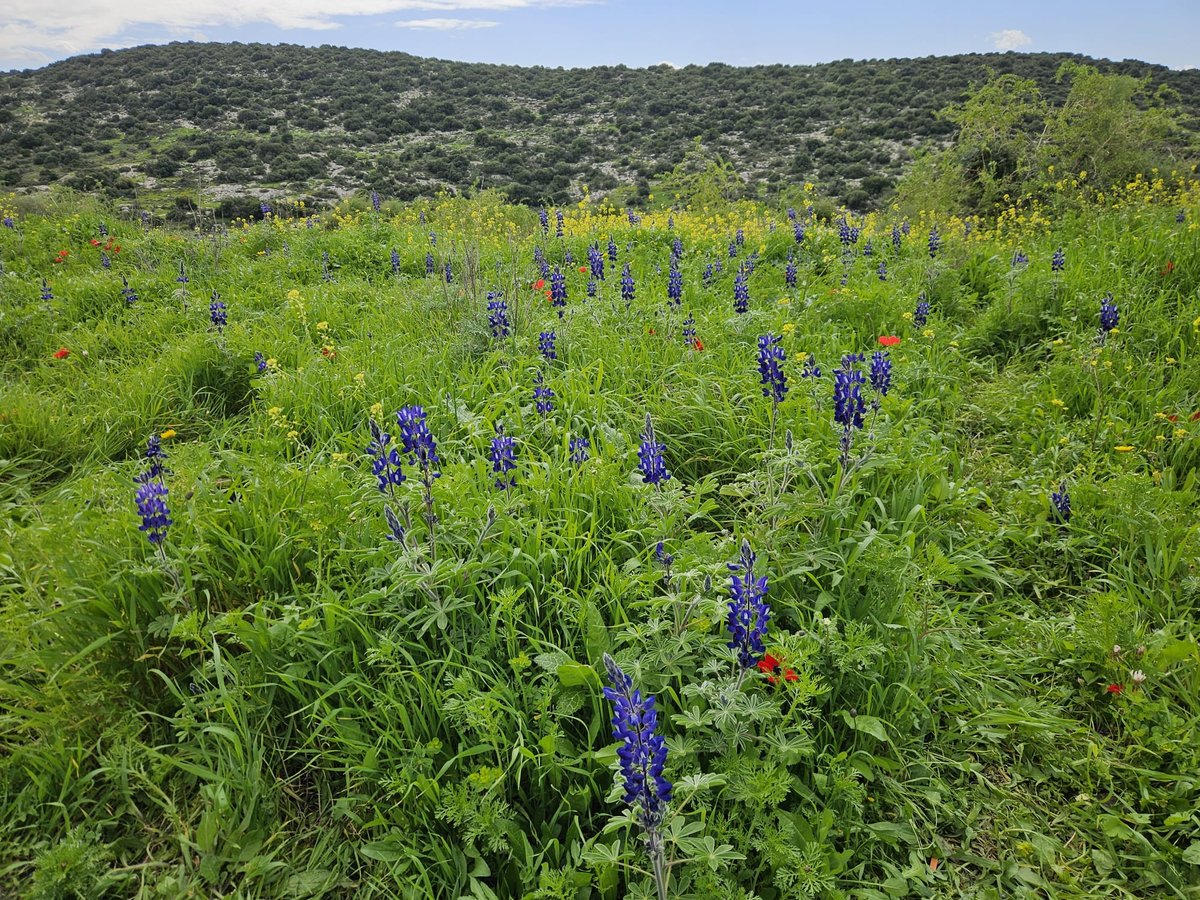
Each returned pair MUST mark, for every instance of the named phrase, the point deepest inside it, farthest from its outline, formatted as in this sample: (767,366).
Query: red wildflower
(583,268)
(117,248)
(1116,688)
(62,353)
(650,331)
(328,352)
(94,242)
(1168,268)
(889,340)
(698,344)
(1194,416)
(539,284)
(771,667)
(1172,417)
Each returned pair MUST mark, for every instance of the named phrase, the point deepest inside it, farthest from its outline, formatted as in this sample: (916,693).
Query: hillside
(238,119)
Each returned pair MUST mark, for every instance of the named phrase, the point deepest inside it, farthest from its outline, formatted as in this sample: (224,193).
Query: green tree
(1110,126)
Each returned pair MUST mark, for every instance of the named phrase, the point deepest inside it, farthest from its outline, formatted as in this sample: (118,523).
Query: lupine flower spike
(748,609)
(503,458)
(1061,501)
(643,755)
(650,457)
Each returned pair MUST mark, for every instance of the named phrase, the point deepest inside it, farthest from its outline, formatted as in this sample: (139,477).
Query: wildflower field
(342,552)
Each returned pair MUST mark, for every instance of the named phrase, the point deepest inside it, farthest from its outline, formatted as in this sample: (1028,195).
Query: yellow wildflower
(168,434)
(1123,448)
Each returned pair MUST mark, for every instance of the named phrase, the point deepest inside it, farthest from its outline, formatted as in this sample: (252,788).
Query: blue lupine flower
(449,273)
(811,369)
(748,609)
(967,228)
(216,312)
(558,291)
(791,213)
(433,239)
(634,218)
(789,273)
(544,218)
(1180,218)
(264,208)
(596,262)
(741,292)
(733,249)
(103,229)
(670,222)
(145,218)
(921,313)
(497,314)
(579,448)
(503,456)
(1019,259)
(677,248)
(740,237)
(650,456)
(260,362)
(719,265)
(156,462)
(47,294)
(844,231)
(127,293)
(772,377)
(395,261)
(869,249)
(612,250)
(882,270)
(881,372)
(182,277)
(627,285)
(396,528)
(675,287)
(546,345)
(151,498)
(105,262)
(642,752)
(418,442)
(848,402)
(1058,261)
(935,241)
(430,265)
(568,258)
(798,232)
(905,227)
(558,223)
(689,330)
(896,237)
(8,222)
(591,287)
(750,261)
(385,460)
(376,201)
(1109,314)
(543,397)
(708,273)
(1061,501)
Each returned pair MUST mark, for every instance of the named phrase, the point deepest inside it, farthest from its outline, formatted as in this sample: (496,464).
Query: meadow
(340,551)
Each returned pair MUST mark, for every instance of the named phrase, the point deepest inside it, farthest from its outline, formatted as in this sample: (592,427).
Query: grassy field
(963,660)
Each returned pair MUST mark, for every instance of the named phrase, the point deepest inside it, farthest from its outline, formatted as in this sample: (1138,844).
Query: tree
(1110,127)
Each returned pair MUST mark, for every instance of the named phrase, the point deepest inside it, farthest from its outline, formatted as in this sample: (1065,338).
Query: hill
(251,118)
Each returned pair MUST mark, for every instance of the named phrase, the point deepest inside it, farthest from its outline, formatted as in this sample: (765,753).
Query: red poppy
(1116,688)
(583,268)
(698,344)
(771,667)
(889,340)
(539,284)
(117,249)
(1168,268)
(62,353)
(328,352)
(1172,417)
(94,242)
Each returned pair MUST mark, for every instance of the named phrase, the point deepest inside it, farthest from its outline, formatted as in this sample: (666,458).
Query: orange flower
(889,340)
(583,268)
(62,353)
(698,344)
(539,284)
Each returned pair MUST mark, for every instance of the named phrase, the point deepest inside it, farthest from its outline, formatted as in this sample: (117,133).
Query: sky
(607,32)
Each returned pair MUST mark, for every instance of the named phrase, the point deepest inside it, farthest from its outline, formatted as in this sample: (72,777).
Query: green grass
(286,704)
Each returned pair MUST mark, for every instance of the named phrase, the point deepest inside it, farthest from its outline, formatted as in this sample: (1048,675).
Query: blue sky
(582,33)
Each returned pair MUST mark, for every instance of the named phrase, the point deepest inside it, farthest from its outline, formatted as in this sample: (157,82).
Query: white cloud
(1010,39)
(32,32)
(446,24)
